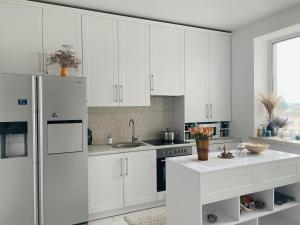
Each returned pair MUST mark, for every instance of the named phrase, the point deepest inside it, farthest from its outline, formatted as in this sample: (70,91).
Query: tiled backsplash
(149,121)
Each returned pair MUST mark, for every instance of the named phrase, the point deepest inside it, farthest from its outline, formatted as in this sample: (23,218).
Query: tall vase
(64,71)
(202,149)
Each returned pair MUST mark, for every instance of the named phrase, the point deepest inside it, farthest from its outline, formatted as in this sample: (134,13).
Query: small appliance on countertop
(90,137)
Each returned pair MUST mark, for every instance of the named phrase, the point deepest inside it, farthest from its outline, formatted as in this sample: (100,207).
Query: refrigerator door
(18,150)
(63,150)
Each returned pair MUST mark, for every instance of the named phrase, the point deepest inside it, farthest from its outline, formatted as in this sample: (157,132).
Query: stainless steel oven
(162,155)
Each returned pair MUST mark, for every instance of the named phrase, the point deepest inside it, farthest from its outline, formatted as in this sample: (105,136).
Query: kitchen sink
(128,145)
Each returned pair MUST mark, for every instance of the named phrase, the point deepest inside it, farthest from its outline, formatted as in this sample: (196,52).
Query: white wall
(249,73)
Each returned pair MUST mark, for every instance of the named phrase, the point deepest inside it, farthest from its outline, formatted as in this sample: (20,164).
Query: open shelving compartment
(292,190)
(226,210)
(289,216)
(267,197)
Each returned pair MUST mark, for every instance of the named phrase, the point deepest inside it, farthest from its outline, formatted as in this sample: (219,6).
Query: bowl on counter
(256,148)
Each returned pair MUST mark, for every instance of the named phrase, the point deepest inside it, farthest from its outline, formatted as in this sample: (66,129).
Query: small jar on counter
(109,139)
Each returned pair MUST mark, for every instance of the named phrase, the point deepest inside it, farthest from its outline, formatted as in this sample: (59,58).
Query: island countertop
(214,163)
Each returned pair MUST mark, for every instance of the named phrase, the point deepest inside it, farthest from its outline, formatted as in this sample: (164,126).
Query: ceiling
(216,14)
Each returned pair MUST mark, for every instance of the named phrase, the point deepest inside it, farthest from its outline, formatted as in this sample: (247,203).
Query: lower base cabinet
(117,181)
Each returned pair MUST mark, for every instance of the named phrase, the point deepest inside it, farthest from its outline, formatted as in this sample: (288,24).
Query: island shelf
(192,191)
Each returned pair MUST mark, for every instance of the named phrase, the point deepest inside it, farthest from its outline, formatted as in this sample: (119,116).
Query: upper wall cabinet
(196,76)
(220,77)
(134,63)
(100,44)
(60,28)
(21,49)
(116,56)
(207,77)
(166,60)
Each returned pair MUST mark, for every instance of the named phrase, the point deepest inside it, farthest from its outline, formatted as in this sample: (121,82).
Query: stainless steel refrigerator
(43,143)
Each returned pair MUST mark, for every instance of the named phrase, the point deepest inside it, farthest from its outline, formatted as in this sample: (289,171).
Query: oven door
(161,174)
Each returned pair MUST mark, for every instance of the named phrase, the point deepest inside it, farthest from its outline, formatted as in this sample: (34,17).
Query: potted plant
(65,57)
(202,136)
(270,103)
(277,123)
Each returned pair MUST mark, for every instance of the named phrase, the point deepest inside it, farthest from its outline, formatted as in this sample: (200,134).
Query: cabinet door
(105,183)
(21,49)
(167,60)
(140,177)
(61,28)
(134,75)
(101,60)
(196,76)
(219,77)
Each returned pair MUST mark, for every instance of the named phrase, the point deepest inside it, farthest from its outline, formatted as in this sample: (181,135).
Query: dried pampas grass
(270,102)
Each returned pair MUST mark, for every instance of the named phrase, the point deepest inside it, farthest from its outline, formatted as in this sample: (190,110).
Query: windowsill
(277,140)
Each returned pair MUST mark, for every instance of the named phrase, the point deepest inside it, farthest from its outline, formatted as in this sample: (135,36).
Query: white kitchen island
(197,188)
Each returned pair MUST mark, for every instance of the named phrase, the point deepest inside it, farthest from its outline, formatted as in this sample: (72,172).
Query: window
(286,62)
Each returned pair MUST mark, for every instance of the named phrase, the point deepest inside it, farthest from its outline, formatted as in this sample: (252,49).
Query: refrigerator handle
(40,149)
(34,149)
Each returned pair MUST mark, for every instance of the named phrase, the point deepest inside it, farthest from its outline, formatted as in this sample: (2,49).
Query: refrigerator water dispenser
(13,141)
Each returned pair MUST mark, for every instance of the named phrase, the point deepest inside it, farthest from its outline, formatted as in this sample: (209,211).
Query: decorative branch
(270,102)
(65,57)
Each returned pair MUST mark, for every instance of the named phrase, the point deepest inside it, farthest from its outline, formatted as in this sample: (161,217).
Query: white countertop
(108,149)
(214,163)
(277,140)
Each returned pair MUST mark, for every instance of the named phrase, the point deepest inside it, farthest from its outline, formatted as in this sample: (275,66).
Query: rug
(155,216)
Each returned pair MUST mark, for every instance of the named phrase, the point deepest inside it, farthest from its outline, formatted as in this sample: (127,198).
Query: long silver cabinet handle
(121,93)
(122,167)
(207,111)
(46,63)
(211,111)
(152,82)
(126,167)
(116,93)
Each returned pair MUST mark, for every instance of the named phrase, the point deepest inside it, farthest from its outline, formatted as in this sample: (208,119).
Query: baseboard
(103,215)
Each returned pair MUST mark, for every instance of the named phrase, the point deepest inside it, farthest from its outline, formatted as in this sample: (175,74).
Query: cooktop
(159,142)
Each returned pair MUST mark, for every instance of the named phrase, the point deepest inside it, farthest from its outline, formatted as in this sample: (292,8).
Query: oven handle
(163,160)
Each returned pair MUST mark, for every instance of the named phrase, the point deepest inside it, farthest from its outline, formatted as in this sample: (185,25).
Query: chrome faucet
(133,138)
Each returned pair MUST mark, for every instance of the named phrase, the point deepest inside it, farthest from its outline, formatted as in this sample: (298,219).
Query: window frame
(272,59)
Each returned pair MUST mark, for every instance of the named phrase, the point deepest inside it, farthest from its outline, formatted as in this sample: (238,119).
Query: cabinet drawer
(226,184)
(278,173)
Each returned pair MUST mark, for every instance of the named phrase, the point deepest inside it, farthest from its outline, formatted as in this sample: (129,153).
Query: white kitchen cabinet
(196,76)
(207,77)
(118,181)
(105,183)
(116,62)
(140,178)
(21,49)
(134,80)
(100,44)
(166,60)
(219,77)
(61,27)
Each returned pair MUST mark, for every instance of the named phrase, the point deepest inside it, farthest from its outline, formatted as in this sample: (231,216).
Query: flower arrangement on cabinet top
(65,57)
(275,122)
(202,136)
